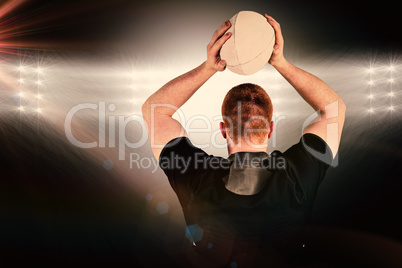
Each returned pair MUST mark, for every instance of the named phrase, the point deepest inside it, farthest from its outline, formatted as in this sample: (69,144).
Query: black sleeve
(307,163)
(181,160)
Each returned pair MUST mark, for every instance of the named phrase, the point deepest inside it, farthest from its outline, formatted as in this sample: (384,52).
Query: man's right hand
(277,57)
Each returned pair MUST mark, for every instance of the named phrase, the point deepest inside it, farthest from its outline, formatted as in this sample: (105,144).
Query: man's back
(233,223)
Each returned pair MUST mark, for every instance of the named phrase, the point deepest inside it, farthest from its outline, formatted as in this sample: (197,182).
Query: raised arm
(159,108)
(314,91)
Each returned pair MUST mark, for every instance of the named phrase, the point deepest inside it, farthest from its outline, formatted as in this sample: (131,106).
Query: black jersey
(248,201)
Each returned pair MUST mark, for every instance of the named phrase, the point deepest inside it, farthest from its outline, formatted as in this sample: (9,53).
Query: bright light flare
(12,27)
(8,6)
(21,68)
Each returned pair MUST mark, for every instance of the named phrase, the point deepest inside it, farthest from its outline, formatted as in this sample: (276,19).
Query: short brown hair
(247,108)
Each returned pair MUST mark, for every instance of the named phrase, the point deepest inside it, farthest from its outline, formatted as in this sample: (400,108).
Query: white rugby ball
(251,44)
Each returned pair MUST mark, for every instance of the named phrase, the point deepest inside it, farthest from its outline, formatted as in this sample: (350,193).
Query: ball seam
(240,64)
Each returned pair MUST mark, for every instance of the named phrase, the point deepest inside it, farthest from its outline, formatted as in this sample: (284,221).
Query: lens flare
(9,28)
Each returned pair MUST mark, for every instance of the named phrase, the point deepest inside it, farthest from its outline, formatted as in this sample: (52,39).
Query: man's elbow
(145,105)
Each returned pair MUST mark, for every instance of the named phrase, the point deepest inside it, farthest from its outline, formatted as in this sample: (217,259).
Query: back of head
(247,113)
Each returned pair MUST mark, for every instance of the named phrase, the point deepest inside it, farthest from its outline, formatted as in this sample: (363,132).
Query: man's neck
(245,148)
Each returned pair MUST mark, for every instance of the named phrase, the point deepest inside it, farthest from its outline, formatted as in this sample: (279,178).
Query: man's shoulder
(179,146)
(182,150)
(310,147)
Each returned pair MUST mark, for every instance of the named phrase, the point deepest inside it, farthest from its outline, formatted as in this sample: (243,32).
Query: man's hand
(214,61)
(277,57)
